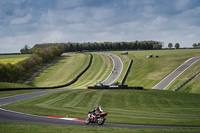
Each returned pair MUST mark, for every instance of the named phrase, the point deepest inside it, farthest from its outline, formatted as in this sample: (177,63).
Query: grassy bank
(193,86)
(63,71)
(6,127)
(148,72)
(145,107)
(100,69)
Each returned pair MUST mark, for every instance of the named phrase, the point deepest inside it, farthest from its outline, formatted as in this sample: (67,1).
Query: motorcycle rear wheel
(101,120)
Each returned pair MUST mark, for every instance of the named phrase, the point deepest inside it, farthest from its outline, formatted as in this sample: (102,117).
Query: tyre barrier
(127,71)
(55,87)
(180,86)
(114,87)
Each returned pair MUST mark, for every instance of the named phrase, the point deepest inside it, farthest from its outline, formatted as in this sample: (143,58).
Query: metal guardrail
(180,86)
(126,74)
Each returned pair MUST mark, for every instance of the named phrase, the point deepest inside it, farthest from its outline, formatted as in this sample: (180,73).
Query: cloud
(35,21)
(21,20)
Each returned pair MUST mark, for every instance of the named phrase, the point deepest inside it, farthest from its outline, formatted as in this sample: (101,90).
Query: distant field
(4,59)
(63,71)
(143,107)
(148,72)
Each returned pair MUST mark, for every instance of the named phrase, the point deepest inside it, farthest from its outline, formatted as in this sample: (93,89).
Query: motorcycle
(98,119)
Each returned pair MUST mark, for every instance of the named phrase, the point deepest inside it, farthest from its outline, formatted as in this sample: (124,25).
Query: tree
(177,45)
(170,45)
(195,45)
(26,50)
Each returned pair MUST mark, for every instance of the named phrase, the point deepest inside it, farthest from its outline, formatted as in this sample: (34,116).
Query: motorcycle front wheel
(101,120)
(87,121)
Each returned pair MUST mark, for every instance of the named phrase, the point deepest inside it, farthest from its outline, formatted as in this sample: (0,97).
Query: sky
(30,22)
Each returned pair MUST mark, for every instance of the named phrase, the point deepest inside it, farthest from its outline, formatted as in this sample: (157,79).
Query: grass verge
(100,69)
(193,85)
(142,107)
(148,72)
(63,71)
(6,127)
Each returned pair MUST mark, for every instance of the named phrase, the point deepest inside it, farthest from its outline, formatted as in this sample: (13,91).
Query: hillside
(148,72)
(143,107)
(63,71)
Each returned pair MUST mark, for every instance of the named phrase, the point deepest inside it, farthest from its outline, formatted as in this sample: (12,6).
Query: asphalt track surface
(117,69)
(172,76)
(11,116)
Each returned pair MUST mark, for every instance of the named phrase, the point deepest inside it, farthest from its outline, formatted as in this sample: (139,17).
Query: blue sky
(47,21)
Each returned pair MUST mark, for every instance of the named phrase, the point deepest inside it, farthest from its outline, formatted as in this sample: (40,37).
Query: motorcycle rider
(95,112)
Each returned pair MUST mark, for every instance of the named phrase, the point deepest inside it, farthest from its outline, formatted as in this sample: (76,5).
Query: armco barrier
(55,87)
(126,74)
(186,81)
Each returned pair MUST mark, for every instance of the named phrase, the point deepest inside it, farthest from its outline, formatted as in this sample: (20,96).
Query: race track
(11,116)
(117,69)
(172,76)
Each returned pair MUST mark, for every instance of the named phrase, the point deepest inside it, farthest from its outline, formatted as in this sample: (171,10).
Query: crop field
(4,59)
(143,107)
(63,71)
(148,72)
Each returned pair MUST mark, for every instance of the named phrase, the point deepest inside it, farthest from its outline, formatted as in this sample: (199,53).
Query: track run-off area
(172,76)
(12,116)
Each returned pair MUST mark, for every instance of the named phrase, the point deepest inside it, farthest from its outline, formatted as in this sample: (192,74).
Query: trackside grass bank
(6,127)
(148,72)
(193,86)
(63,71)
(142,107)
(100,69)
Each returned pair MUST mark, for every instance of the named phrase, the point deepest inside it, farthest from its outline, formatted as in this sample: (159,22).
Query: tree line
(44,52)
(15,72)
(94,46)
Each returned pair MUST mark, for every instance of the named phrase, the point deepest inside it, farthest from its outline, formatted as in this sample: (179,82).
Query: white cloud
(21,20)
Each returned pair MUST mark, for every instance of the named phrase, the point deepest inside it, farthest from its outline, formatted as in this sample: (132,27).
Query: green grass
(63,71)
(193,86)
(148,72)
(13,85)
(143,107)
(6,127)
(100,69)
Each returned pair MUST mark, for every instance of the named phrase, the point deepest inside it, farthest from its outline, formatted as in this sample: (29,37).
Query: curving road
(11,116)
(172,76)
(117,69)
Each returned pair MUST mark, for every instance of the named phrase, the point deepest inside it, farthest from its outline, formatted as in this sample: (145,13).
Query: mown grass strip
(63,71)
(99,71)
(12,127)
(148,72)
(143,107)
